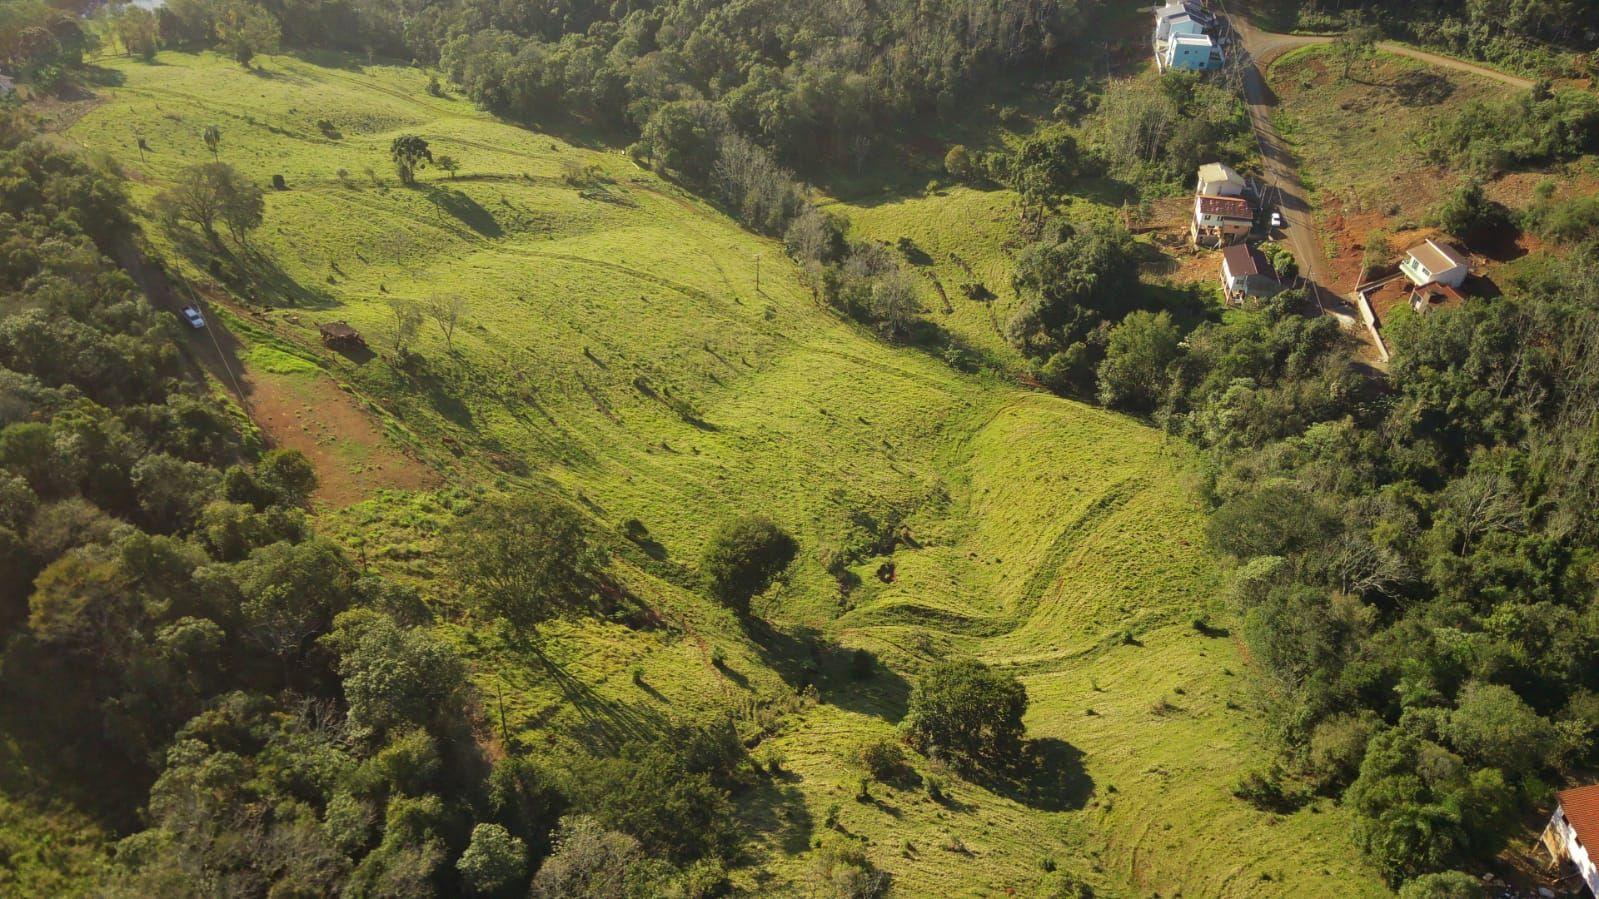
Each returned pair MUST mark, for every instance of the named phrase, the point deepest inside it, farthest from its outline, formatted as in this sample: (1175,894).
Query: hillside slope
(616,347)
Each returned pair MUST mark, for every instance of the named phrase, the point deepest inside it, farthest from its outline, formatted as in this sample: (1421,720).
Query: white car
(1276,220)
(191,314)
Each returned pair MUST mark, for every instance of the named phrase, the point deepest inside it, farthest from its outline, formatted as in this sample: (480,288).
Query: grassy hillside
(616,348)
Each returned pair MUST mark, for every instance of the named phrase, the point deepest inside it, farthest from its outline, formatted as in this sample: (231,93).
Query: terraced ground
(616,349)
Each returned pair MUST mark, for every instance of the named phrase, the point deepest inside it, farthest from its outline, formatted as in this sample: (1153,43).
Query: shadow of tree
(776,807)
(462,208)
(805,658)
(1049,776)
(606,725)
(1421,88)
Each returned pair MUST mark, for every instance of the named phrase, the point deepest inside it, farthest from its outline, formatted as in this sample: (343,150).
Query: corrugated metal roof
(1232,207)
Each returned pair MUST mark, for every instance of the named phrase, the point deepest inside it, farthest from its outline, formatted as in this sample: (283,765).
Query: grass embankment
(616,348)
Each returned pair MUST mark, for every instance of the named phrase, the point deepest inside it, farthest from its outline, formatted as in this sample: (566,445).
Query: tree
(968,711)
(894,303)
(1493,726)
(1468,213)
(744,557)
(1137,357)
(210,192)
(446,311)
(407,322)
(213,139)
(448,164)
(493,859)
(522,559)
(409,153)
(1043,170)
(395,677)
(139,31)
(589,861)
(246,30)
(1357,43)
(958,162)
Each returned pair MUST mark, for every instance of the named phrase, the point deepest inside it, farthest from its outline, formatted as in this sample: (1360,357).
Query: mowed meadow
(631,348)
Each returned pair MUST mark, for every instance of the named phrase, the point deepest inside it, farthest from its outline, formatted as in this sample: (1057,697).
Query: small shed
(1573,828)
(340,336)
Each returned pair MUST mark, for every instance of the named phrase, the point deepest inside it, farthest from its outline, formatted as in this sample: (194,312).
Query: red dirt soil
(311,414)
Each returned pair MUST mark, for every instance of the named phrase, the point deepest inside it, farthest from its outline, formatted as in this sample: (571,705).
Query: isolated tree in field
(213,192)
(449,164)
(409,153)
(522,559)
(1043,170)
(744,557)
(966,710)
(1358,43)
(213,139)
(446,311)
(246,30)
(407,322)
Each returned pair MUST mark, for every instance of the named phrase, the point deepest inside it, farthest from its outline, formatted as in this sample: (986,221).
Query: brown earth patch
(353,458)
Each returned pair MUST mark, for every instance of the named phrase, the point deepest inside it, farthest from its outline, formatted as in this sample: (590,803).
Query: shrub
(882,757)
(1443,885)
(861,664)
(743,559)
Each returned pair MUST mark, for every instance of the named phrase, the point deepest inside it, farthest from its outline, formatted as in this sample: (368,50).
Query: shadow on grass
(607,725)
(1049,777)
(777,808)
(804,658)
(1421,88)
(462,208)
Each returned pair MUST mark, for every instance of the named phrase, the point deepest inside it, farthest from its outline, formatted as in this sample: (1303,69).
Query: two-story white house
(1184,37)
(1221,221)
(1433,261)
(1572,829)
(1191,53)
(1245,273)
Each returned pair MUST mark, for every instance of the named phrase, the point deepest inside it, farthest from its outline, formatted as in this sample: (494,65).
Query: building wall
(1186,56)
(1575,850)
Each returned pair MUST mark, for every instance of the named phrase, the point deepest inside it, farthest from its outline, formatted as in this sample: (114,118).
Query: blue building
(1191,53)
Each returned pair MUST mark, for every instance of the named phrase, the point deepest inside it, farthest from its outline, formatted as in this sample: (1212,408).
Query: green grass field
(616,349)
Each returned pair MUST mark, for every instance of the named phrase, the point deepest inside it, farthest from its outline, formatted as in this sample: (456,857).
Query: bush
(882,757)
(1443,885)
(1469,214)
(861,664)
(743,559)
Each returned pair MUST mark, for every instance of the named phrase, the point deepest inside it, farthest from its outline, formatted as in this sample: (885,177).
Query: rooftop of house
(1197,40)
(1244,261)
(1581,808)
(1437,256)
(1229,207)
(1218,173)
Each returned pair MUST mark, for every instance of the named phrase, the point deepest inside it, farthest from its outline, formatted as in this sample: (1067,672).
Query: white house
(1432,261)
(1191,53)
(1572,829)
(1182,18)
(1218,179)
(1221,221)
(1246,273)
